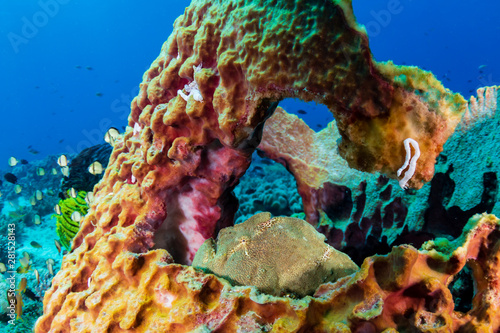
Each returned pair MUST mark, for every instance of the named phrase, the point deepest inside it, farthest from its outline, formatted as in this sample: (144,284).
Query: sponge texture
(279,256)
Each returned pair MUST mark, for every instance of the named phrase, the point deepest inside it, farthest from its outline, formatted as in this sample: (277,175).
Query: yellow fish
(76,216)
(18,188)
(15,215)
(25,263)
(21,288)
(62,161)
(111,136)
(65,171)
(13,161)
(37,277)
(38,195)
(22,269)
(19,306)
(89,198)
(40,171)
(96,168)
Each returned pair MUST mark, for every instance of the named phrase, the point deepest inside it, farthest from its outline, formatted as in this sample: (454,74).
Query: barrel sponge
(168,186)
(279,256)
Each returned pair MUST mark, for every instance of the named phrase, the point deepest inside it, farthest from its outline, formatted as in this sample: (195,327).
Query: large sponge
(279,256)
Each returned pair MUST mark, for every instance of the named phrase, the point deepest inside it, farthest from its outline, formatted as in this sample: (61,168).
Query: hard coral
(279,256)
(266,188)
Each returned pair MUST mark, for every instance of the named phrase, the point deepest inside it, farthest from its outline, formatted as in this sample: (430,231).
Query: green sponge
(279,256)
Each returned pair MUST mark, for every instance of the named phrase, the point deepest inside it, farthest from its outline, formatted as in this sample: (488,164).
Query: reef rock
(279,256)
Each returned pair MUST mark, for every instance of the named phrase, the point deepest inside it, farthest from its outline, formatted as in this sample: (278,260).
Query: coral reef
(266,187)
(31,312)
(45,282)
(30,181)
(168,186)
(22,208)
(79,177)
(30,211)
(4,304)
(279,256)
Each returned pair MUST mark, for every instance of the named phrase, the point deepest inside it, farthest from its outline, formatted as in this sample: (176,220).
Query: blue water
(51,105)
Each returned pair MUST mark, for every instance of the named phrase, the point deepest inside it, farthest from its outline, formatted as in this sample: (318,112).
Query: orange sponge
(168,185)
